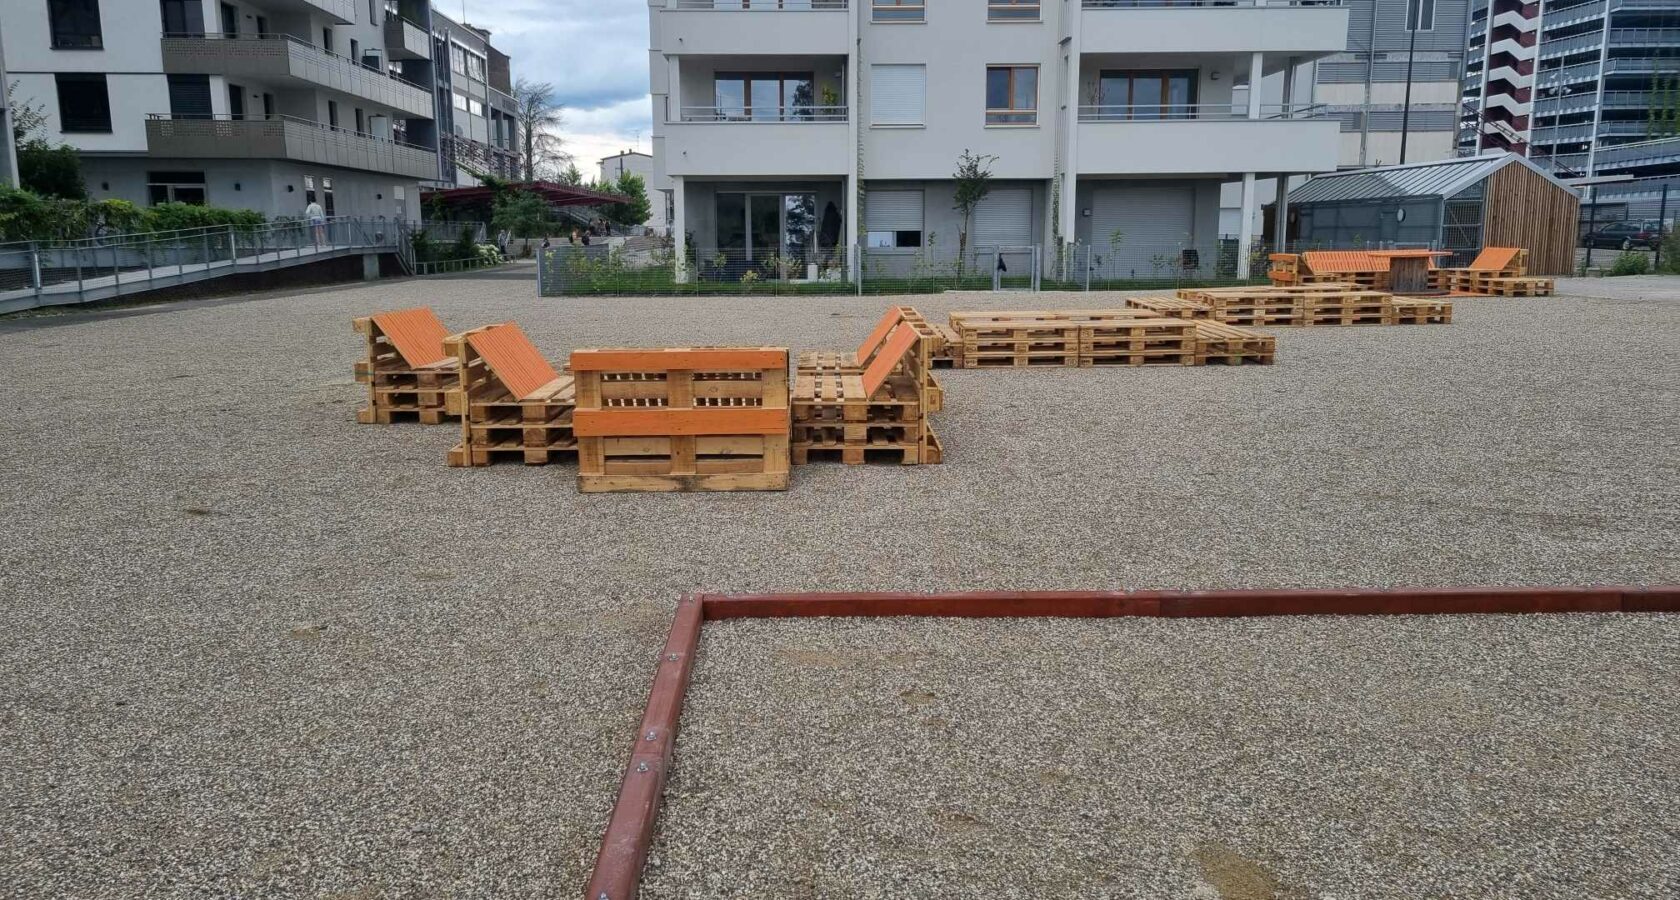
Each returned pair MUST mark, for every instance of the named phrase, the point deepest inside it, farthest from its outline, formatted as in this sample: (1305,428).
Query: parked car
(1622,236)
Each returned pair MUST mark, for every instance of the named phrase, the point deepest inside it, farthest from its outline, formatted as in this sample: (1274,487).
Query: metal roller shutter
(897,94)
(893,210)
(1003,219)
(1154,220)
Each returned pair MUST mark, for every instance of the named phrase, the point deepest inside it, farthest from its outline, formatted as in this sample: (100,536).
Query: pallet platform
(406,369)
(1421,311)
(682,419)
(1349,308)
(512,403)
(1177,307)
(1219,343)
(1138,342)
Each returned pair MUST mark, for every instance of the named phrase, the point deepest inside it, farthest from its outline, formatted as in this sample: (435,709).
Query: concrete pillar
(370,267)
(679,229)
(1245,229)
(1280,228)
(1288,86)
(1256,69)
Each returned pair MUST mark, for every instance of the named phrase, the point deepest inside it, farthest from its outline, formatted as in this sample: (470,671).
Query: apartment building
(796,127)
(1401,71)
(1562,80)
(653,178)
(8,147)
(477,118)
(257,104)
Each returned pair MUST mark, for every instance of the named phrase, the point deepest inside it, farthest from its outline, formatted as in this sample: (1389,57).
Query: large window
(175,187)
(460,102)
(457,58)
(1147,94)
(1011,95)
(897,94)
(1420,15)
(898,11)
(1012,10)
(893,219)
(475,66)
(189,96)
(764,96)
(83,104)
(75,24)
(182,17)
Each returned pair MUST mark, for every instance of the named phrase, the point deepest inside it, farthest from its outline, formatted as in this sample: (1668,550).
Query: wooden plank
(651,422)
(665,359)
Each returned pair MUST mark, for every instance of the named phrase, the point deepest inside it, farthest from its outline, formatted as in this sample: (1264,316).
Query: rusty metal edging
(629,834)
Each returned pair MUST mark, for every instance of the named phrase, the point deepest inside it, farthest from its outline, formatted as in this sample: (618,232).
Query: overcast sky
(594,52)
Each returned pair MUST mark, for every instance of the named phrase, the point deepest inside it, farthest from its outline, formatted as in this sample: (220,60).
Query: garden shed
(1461,205)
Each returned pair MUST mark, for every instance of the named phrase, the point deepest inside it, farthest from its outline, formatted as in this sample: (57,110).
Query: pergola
(555,194)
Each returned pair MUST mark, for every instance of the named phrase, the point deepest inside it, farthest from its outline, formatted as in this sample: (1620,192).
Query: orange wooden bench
(406,369)
(512,401)
(882,409)
(1496,271)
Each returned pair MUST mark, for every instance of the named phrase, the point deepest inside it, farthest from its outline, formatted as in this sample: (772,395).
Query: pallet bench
(1217,342)
(1421,311)
(406,369)
(512,401)
(880,411)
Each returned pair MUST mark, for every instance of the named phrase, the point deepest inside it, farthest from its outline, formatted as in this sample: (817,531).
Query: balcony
(800,141)
(342,11)
(1202,139)
(781,27)
(286,61)
(279,137)
(1304,27)
(406,40)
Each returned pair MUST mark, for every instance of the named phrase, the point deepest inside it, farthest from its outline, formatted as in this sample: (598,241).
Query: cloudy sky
(595,54)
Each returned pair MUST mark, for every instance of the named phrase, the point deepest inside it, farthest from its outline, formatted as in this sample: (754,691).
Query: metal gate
(1014,267)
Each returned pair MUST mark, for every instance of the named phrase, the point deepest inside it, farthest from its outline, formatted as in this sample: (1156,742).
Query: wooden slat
(897,345)
(724,359)
(514,359)
(652,422)
(416,333)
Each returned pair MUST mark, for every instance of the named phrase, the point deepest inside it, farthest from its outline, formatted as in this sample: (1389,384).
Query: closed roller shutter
(1155,220)
(897,94)
(1003,219)
(893,210)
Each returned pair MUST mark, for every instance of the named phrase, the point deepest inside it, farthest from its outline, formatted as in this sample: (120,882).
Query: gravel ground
(254,649)
(1504,756)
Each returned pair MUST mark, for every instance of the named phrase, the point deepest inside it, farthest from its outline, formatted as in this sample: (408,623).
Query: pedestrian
(502,242)
(317,220)
(586,238)
(573,237)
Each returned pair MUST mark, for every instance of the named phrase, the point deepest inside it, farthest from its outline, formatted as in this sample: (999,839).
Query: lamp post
(1414,16)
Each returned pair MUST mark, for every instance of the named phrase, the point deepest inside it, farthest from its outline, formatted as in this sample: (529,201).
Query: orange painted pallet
(512,402)
(880,412)
(407,372)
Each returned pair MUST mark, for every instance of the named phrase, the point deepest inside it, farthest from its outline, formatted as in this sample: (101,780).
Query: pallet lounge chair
(512,401)
(856,361)
(406,369)
(1496,271)
(882,410)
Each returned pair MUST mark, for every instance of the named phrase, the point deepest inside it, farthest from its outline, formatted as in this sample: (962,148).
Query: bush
(26,216)
(23,216)
(1630,263)
(177,216)
(50,171)
(465,246)
(521,212)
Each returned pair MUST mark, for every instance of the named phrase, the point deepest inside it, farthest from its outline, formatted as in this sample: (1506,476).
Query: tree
(540,117)
(1663,108)
(571,176)
(521,212)
(974,182)
(43,168)
(635,210)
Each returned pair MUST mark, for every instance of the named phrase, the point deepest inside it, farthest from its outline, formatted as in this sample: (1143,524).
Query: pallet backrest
(512,357)
(872,344)
(1331,262)
(681,391)
(901,342)
(415,333)
(1494,259)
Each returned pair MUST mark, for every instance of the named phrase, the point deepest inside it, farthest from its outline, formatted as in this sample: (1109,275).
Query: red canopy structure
(555,194)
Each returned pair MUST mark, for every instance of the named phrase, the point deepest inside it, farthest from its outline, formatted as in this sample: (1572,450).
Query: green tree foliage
(635,209)
(571,175)
(973,182)
(27,216)
(522,213)
(42,168)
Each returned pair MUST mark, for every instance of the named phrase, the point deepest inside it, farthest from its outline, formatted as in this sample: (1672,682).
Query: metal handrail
(799,114)
(258,117)
(300,42)
(1193,112)
(759,5)
(124,238)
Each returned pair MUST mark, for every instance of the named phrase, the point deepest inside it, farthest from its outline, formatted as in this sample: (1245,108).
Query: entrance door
(755,227)
(236,102)
(764,225)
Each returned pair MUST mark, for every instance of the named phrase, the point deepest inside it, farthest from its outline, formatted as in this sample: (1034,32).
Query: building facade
(653,178)
(8,146)
(256,104)
(825,126)
(1393,45)
(1560,81)
(477,117)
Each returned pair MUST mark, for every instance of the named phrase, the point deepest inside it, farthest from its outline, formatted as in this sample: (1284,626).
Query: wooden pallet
(1421,311)
(1138,342)
(882,411)
(405,367)
(1177,307)
(949,354)
(682,419)
(512,403)
(1514,287)
(1346,308)
(1028,338)
(1219,343)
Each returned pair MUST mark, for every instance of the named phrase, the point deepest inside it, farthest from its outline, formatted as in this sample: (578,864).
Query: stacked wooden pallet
(1319,304)
(1177,307)
(1421,311)
(1495,272)
(1321,266)
(406,370)
(1106,337)
(1140,340)
(682,419)
(875,402)
(1217,342)
(512,403)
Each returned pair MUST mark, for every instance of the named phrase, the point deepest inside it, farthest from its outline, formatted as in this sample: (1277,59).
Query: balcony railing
(284,137)
(1158,4)
(1190,112)
(405,39)
(796,114)
(287,56)
(759,5)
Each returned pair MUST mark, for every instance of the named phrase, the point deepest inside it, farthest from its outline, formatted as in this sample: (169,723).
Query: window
(898,11)
(475,107)
(1147,94)
(189,96)
(326,40)
(1012,10)
(355,51)
(1420,15)
(75,24)
(460,102)
(236,101)
(84,106)
(764,96)
(182,17)
(332,113)
(175,187)
(1011,95)
(361,121)
(308,189)
(475,66)
(326,196)
(457,58)
(893,219)
(897,94)
(230,21)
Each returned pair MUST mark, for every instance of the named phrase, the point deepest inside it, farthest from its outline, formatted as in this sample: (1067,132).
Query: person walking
(317,221)
(502,242)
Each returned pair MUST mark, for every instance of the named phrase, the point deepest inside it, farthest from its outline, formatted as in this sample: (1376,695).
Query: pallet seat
(406,370)
(512,401)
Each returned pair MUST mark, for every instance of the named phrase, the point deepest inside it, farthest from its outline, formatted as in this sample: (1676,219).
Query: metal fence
(1119,265)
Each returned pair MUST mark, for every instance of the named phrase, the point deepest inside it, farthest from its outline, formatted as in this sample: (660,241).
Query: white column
(853,180)
(1280,229)
(1245,229)
(679,228)
(1256,67)
(1288,85)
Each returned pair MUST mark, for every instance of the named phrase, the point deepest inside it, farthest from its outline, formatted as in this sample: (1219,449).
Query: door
(1000,239)
(764,225)
(268,105)
(236,101)
(1141,231)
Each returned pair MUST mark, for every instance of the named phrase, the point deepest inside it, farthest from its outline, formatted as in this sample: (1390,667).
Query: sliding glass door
(760,226)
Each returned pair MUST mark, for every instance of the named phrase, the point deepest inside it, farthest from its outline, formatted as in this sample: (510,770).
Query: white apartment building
(789,127)
(653,177)
(250,104)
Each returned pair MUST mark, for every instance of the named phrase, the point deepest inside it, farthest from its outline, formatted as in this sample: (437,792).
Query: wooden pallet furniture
(949,354)
(1409,271)
(1028,338)
(1421,311)
(512,402)
(1345,308)
(406,369)
(1258,306)
(1230,345)
(882,411)
(856,361)
(682,419)
(1177,307)
(1491,262)
(1357,266)
(1142,341)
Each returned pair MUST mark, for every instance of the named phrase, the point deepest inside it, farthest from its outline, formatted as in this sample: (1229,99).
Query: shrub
(23,216)
(1630,263)
(50,171)
(177,216)
(521,212)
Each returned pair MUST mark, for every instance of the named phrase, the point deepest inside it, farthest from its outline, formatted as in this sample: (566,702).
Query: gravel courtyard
(253,649)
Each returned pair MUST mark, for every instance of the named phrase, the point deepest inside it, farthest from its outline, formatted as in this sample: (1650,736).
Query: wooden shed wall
(1524,209)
